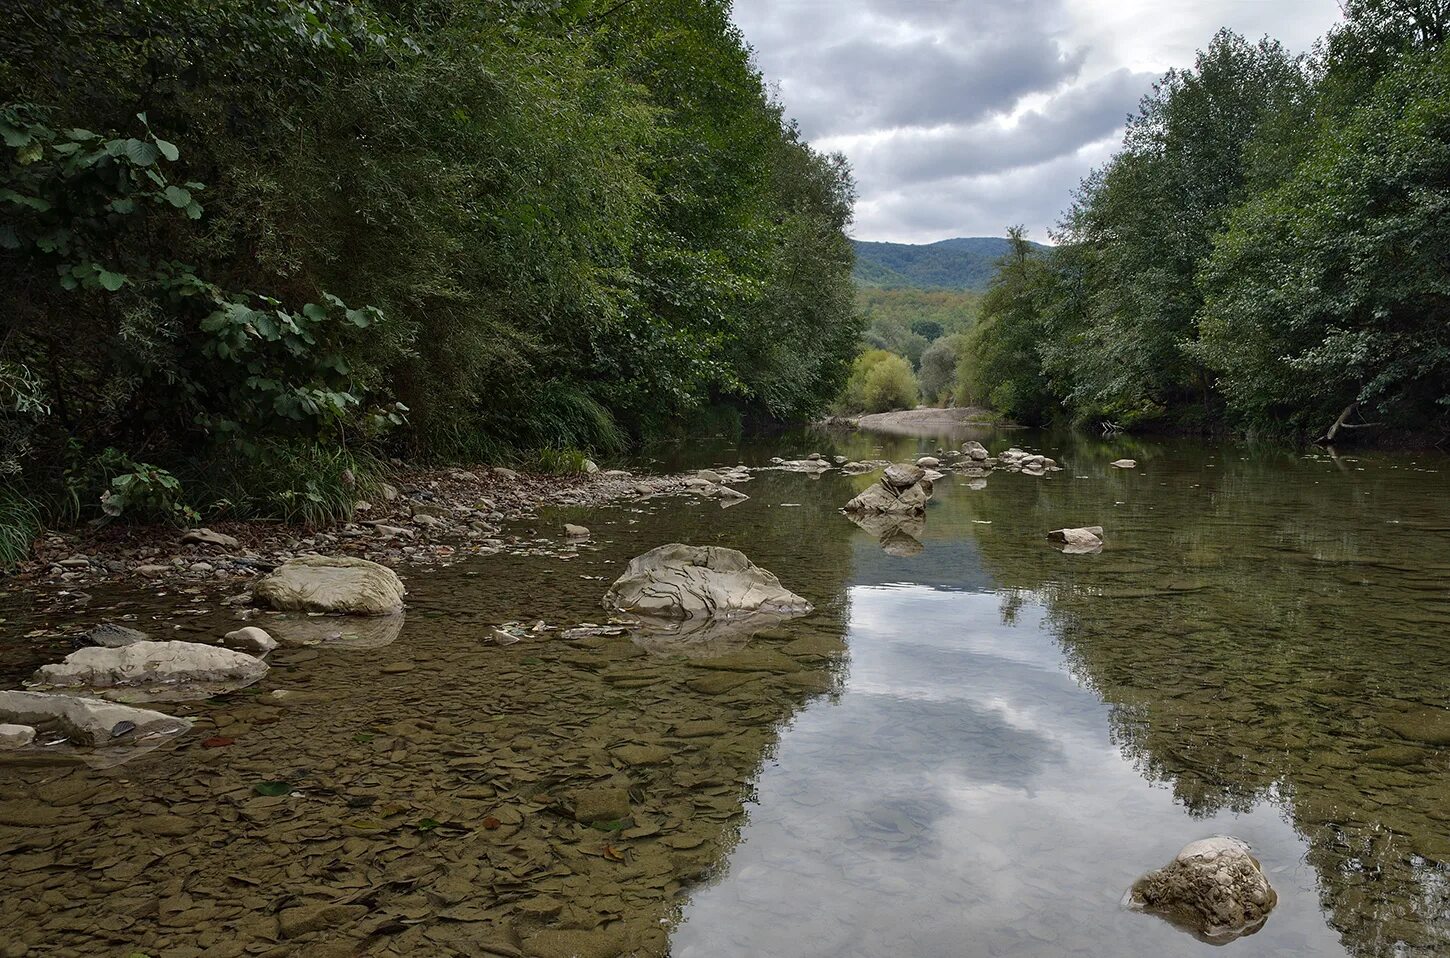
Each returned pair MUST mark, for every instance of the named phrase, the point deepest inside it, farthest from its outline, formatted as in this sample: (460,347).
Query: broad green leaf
(14,137)
(177,197)
(272,789)
(168,150)
(109,280)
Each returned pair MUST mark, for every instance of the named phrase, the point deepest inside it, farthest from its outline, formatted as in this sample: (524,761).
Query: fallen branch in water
(1342,423)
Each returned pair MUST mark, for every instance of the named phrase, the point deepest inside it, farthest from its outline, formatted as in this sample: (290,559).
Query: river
(972,747)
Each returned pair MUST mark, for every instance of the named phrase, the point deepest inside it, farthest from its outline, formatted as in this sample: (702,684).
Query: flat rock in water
(177,670)
(601,804)
(565,943)
(345,631)
(683,582)
(85,721)
(113,636)
(1124,464)
(339,584)
(1213,888)
(15,736)
(306,919)
(575,532)
(749,660)
(642,754)
(1430,726)
(1079,540)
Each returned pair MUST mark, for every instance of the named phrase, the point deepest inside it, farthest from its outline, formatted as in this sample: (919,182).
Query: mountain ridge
(960,263)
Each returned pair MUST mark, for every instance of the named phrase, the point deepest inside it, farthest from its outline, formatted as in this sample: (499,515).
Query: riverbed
(972,746)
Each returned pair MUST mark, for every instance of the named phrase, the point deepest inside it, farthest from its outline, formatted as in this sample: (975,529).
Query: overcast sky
(963,116)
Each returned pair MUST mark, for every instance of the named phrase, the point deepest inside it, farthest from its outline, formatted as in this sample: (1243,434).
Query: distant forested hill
(966,262)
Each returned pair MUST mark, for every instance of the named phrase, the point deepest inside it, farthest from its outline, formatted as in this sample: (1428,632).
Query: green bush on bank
(879,382)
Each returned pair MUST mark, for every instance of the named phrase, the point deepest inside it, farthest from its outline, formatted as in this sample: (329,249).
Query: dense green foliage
(962,263)
(908,321)
(880,381)
(267,240)
(1266,250)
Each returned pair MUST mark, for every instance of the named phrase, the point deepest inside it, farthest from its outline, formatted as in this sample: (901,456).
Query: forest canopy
(269,239)
(1265,252)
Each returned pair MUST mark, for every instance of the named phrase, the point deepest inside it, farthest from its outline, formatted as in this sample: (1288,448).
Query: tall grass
(20,524)
(304,483)
(556,424)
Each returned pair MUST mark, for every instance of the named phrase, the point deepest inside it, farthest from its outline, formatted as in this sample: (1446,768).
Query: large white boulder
(681,582)
(332,584)
(1213,887)
(154,670)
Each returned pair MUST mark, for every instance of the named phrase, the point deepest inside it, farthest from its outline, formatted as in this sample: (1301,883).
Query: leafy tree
(1000,364)
(1334,288)
(1150,215)
(939,368)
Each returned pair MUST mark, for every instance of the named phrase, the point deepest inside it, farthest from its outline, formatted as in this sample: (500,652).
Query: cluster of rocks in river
(70,710)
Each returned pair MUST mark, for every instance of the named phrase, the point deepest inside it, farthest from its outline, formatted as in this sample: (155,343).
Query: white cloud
(962,116)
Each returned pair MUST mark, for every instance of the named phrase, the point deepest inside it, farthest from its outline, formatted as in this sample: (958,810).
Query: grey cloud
(915,92)
(1078,116)
(876,86)
(977,205)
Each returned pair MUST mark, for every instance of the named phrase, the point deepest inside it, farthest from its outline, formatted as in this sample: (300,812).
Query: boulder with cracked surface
(682,582)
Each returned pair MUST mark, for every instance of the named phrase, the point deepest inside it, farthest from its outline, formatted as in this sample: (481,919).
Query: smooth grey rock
(340,584)
(15,736)
(1214,888)
(1124,463)
(679,581)
(575,532)
(1081,541)
(250,639)
(173,670)
(976,450)
(928,462)
(88,721)
(207,537)
(901,476)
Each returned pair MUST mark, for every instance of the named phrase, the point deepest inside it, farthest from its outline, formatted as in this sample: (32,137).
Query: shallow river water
(972,747)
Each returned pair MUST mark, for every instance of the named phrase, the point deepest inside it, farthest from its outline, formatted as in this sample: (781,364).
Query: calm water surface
(972,747)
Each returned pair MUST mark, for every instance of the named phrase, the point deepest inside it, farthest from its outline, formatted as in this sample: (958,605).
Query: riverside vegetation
(252,249)
(1263,254)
